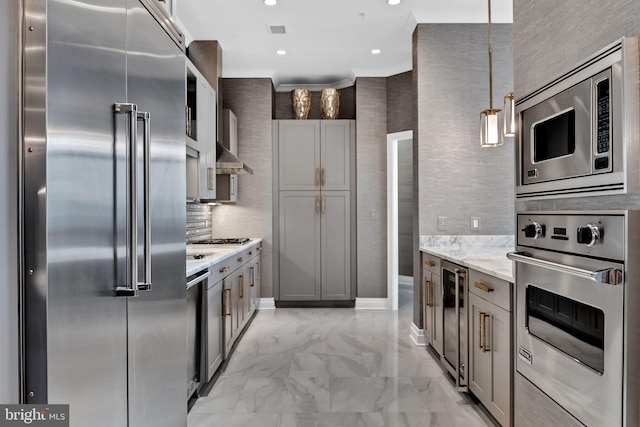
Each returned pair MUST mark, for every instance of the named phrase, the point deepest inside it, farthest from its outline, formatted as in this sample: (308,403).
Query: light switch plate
(442,223)
(474,223)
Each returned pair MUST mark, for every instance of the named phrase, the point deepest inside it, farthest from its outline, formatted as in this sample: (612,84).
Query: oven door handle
(609,276)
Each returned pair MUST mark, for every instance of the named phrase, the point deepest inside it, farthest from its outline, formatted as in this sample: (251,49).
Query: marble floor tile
(223,397)
(432,419)
(438,394)
(375,395)
(321,419)
(401,364)
(258,365)
(290,343)
(196,419)
(285,395)
(332,365)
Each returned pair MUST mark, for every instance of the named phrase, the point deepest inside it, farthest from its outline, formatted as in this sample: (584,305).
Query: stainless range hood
(227,163)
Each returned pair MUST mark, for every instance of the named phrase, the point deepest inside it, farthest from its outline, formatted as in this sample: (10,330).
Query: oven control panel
(587,234)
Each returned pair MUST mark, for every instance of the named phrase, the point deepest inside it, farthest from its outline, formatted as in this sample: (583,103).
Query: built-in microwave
(577,133)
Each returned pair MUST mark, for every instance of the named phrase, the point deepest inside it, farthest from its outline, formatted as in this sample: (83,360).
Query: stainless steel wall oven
(576,330)
(579,133)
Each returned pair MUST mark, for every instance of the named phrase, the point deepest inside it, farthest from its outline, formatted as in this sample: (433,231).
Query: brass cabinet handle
(227,308)
(324,204)
(317,204)
(428,289)
(241,286)
(323,177)
(482,329)
(483,287)
(250,253)
(429,264)
(317,176)
(241,259)
(253,277)
(224,269)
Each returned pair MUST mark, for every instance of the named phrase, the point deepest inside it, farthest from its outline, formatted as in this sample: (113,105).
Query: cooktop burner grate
(225,241)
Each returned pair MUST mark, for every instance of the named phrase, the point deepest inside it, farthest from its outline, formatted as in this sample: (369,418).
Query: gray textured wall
(457,178)
(9,66)
(399,102)
(282,109)
(371,158)
(551,36)
(251,216)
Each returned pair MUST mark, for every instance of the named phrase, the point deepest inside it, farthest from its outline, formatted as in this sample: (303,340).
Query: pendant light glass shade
(490,134)
(509,115)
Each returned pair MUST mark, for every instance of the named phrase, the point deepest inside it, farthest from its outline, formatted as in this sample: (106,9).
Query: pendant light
(509,115)
(490,135)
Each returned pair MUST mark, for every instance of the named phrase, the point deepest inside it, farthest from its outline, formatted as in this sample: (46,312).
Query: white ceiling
(328,42)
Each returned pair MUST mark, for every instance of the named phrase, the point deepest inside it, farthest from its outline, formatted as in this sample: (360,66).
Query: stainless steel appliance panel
(75,328)
(214,328)
(157,318)
(454,303)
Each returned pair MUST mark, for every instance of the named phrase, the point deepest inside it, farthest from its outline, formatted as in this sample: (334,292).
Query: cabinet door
(335,156)
(438,314)
(427,291)
(299,154)
(336,245)
(490,370)
(299,236)
(214,329)
(207,132)
(255,285)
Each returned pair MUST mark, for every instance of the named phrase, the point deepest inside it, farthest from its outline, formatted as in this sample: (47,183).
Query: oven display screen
(572,327)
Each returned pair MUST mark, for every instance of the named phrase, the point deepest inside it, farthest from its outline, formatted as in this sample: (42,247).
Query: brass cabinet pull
(429,264)
(317,204)
(317,176)
(483,287)
(227,308)
(250,253)
(323,177)
(224,269)
(428,289)
(241,259)
(253,276)
(482,329)
(324,204)
(241,286)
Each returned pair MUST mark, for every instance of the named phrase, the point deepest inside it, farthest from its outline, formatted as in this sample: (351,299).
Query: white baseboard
(405,280)
(267,304)
(372,304)
(417,336)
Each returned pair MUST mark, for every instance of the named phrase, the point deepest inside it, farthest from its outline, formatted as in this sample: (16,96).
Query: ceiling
(328,42)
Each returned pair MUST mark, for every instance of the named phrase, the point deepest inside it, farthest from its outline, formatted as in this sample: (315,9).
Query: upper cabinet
(315,154)
(201,133)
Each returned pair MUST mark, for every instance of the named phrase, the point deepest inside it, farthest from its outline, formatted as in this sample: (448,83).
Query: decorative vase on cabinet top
(300,103)
(330,103)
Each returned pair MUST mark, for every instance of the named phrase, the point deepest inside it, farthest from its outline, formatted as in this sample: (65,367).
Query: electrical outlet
(442,223)
(474,223)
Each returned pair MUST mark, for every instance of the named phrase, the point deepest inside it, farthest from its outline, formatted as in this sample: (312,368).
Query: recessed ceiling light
(271,2)
(281,52)
(376,51)
(393,2)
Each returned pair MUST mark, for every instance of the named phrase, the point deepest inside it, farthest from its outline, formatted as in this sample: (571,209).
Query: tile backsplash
(198,222)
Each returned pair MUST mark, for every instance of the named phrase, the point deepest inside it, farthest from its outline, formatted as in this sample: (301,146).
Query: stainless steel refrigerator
(104,214)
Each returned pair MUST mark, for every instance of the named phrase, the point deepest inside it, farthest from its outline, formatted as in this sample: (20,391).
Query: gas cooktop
(224,241)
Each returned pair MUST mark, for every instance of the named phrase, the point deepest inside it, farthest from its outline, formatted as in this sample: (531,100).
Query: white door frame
(392,215)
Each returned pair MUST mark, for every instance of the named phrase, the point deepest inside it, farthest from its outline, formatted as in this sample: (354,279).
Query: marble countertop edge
(222,251)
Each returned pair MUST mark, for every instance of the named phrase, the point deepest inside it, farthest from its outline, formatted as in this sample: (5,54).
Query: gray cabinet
(314,201)
(433,298)
(490,358)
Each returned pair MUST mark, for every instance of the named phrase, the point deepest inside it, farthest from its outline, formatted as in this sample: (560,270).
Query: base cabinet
(433,303)
(490,344)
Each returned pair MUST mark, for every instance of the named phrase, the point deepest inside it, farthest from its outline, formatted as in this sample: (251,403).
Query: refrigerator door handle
(146,120)
(131,289)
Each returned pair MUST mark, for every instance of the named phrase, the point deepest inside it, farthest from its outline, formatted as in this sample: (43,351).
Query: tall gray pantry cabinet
(314,181)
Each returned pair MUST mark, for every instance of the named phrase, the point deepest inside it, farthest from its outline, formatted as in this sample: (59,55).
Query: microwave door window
(570,326)
(554,137)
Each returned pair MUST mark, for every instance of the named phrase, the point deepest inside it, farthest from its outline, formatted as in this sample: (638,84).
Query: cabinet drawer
(491,288)
(431,263)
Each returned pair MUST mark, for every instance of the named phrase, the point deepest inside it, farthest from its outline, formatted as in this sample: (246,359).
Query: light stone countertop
(486,254)
(221,253)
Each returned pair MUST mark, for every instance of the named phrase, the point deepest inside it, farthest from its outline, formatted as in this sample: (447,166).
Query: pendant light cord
(490,62)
